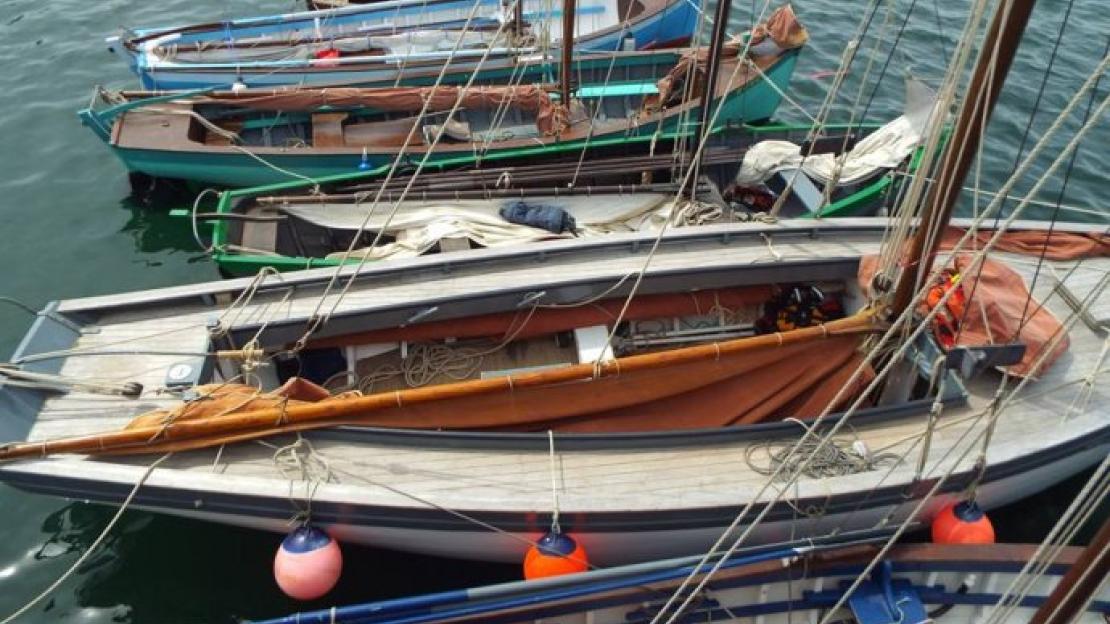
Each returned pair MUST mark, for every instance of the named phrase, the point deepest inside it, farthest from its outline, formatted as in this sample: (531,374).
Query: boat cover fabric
(797,379)
(997,302)
(883,149)
(551,118)
(417,226)
(782,27)
(782,31)
(1056,245)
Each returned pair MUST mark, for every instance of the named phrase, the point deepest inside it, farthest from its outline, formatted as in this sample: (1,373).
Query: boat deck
(1055,410)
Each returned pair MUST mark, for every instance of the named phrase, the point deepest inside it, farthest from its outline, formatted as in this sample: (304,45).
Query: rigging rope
(92,547)
(902,319)
(318,320)
(997,406)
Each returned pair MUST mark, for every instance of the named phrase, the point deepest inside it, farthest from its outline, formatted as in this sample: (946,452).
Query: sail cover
(1001,310)
(1055,245)
(551,118)
(883,149)
(418,225)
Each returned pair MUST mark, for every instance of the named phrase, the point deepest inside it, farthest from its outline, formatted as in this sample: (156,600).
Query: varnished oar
(259,423)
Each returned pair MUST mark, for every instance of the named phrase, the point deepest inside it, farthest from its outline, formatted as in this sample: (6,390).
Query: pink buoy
(308,563)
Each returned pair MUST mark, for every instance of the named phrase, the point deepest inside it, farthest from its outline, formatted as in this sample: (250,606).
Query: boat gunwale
(449,261)
(102,481)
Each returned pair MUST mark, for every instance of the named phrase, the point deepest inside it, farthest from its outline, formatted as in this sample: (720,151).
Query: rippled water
(70,231)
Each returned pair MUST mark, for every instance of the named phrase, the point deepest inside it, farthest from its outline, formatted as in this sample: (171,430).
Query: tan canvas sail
(739,381)
(550,117)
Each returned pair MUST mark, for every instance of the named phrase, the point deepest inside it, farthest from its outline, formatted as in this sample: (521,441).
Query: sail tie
(554,483)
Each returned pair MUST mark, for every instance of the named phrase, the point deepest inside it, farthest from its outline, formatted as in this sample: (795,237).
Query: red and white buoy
(308,563)
(962,523)
(554,554)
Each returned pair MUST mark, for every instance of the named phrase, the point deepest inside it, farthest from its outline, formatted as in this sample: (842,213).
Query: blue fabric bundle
(546,217)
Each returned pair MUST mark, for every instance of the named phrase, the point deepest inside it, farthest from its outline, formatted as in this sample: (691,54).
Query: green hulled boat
(289,227)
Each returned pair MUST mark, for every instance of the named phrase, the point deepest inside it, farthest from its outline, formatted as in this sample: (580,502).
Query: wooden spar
(481,178)
(712,67)
(518,21)
(506,193)
(1073,592)
(986,82)
(567,51)
(269,421)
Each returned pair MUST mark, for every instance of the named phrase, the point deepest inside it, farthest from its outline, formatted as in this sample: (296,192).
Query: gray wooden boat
(644,492)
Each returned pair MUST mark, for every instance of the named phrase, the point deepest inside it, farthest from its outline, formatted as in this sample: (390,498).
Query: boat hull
(670,26)
(611,538)
(233,167)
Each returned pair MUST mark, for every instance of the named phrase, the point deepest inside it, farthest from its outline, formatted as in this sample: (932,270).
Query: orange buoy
(554,554)
(307,564)
(962,523)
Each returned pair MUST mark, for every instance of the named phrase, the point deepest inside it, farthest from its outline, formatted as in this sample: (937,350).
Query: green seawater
(69,230)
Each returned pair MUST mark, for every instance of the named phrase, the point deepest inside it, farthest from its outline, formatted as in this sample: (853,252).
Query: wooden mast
(1074,590)
(712,67)
(518,21)
(986,82)
(567,52)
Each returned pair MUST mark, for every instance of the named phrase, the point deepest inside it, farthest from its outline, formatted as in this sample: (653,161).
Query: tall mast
(712,67)
(518,20)
(568,50)
(986,82)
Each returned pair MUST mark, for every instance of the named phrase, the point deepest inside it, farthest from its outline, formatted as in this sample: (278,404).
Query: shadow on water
(160,218)
(156,564)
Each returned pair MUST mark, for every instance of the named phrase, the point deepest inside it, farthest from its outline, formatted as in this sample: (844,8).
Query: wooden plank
(327,129)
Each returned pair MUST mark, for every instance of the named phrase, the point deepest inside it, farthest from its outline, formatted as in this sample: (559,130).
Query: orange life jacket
(946,324)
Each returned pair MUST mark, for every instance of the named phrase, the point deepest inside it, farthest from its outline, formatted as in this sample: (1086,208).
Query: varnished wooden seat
(327,129)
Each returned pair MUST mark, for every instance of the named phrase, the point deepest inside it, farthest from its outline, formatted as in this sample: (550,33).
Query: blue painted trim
(305,539)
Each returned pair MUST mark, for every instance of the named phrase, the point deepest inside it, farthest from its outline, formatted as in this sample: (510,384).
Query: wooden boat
(668,418)
(367,43)
(289,228)
(787,583)
(261,137)
(294,226)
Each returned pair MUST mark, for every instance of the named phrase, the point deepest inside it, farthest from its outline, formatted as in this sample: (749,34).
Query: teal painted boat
(250,138)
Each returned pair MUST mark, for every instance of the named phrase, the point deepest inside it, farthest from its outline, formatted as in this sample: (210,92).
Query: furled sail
(551,118)
(793,373)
